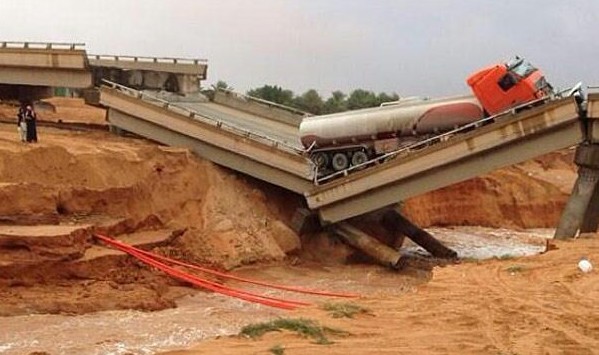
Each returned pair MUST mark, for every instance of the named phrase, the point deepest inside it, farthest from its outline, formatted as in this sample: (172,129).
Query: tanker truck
(338,141)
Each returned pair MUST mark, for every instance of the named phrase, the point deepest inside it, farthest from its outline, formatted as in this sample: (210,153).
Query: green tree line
(311,101)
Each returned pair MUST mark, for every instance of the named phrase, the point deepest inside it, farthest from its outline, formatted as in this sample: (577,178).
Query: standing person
(31,120)
(21,124)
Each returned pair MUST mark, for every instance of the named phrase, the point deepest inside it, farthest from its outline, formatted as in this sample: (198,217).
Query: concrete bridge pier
(384,254)
(590,222)
(394,222)
(25,93)
(582,210)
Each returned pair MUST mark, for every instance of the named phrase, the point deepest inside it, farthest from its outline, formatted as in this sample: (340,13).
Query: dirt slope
(528,195)
(80,178)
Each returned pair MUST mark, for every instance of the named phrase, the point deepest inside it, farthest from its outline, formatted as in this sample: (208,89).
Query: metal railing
(265,102)
(593,88)
(405,100)
(42,45)
(204,118)
(141,59)
(405,150)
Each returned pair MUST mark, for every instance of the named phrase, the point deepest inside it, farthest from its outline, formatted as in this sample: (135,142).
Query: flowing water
(485,243)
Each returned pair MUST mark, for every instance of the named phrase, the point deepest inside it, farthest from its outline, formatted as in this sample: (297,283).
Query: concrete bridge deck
(215,132)
(261,150)
(278,131)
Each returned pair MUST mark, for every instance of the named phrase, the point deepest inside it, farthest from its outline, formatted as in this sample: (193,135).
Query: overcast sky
(415,47)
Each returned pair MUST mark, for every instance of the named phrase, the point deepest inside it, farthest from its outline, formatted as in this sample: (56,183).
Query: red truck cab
(506,85)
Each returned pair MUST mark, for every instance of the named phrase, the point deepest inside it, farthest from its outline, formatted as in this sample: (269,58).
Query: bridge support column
(582,210)
(398,227)
(188,84)
(305,221)
(590,223)
(394,222)
(385,255)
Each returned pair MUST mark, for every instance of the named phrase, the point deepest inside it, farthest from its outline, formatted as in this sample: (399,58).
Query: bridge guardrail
(42,45)
(405,150)
(265,102)
(167,60)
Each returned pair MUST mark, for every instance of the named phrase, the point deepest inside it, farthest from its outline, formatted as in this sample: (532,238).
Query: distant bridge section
(31,69)
(177,75)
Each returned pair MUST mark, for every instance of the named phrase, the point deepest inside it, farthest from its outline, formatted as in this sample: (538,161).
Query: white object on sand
(585,266)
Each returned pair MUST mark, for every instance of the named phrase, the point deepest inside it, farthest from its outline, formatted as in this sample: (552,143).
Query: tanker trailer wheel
(321,160)
(340,161)
(359,157)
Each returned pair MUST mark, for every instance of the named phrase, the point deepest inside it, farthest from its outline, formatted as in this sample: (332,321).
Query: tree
(360,98)
(273,93)
(335,103)
(310,101)
(222,85)
(210,91)
(384,97)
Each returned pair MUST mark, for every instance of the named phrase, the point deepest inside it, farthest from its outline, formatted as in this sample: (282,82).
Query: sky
(419,47)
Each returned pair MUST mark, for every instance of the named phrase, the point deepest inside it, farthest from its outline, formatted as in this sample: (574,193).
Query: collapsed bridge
(261,139)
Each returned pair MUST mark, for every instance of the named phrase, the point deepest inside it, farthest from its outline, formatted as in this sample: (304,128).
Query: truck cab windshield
(521,68)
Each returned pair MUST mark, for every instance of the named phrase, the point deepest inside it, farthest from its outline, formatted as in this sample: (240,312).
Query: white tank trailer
(339,140)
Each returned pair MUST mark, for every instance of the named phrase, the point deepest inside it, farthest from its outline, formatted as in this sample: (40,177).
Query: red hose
(232,277)
(216,285)
(269,301)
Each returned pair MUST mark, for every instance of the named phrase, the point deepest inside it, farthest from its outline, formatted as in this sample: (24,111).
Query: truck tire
(321,160)
(359,157)
(340,161)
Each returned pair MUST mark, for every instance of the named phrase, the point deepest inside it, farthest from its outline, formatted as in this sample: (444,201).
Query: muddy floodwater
(124,332)
(203,315)
(485,243)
